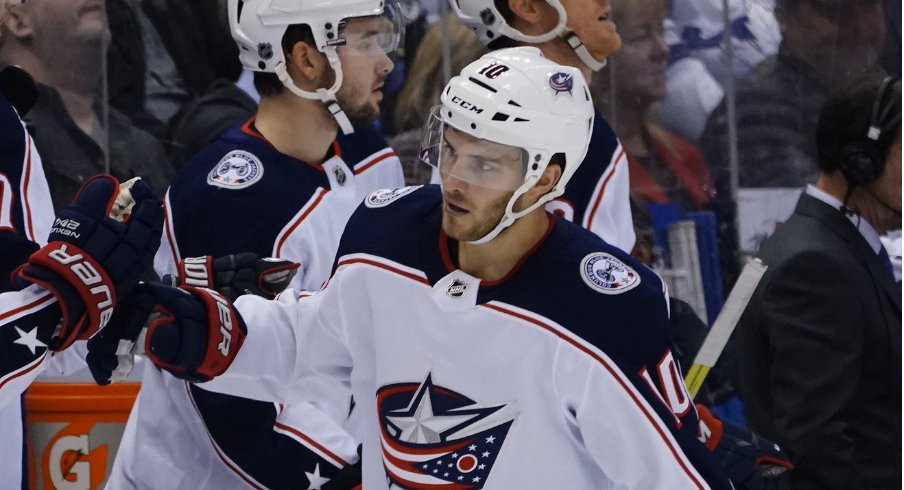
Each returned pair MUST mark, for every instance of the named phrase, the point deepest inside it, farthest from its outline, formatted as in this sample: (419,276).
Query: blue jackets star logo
(433,437)
(561,82)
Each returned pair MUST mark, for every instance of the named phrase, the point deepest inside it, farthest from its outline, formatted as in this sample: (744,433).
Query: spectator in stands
(824,43)
(423,86)
(173,70)
(63,45)
(820,342)
(663,167)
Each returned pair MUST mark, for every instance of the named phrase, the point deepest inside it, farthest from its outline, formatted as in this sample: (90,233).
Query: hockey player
(487,342)
(281,185)
(581,34)
(25,218)
(70,288)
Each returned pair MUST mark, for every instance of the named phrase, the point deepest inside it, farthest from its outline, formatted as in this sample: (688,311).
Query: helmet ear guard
(518,98)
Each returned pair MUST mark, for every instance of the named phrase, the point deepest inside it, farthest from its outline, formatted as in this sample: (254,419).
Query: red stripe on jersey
(386,267)
(20,309)
(37,362)
(373,162)
(599,197)
(25,370)
(297,223)
(312,442)
(26,205)
(612,371)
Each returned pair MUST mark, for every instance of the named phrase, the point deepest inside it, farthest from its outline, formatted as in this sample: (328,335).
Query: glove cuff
(197,272)
(203,358)
(68,265)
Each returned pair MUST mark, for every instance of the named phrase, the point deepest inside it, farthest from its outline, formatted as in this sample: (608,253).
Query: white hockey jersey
(558,376)
(242,195)
(25,218)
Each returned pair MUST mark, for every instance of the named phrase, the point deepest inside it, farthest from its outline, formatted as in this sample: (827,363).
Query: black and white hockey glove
(751,462)
(92,259)
(235,275)
(194,333)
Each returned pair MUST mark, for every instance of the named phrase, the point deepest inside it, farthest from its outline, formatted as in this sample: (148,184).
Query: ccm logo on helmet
(465,104)
(225,324)
(86,273)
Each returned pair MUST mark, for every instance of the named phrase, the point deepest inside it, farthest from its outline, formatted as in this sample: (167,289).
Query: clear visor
(371,36)
(476,161)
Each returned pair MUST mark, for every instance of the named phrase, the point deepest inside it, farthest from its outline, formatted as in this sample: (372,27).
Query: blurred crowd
(716,109)
(715,103)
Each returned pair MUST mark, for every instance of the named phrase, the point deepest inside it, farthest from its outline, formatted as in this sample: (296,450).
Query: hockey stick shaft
(724,325)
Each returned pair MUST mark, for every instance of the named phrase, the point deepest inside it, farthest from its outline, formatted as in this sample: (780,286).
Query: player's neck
(558,51)
(494,260)
(296,127)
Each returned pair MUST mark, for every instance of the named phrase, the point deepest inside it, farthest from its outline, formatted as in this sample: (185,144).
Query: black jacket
(820,353)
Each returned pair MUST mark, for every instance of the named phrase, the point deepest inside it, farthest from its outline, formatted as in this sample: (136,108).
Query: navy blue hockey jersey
(242,195)
(557,376)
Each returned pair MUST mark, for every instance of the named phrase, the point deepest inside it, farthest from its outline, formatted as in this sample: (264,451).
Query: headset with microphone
(862,160)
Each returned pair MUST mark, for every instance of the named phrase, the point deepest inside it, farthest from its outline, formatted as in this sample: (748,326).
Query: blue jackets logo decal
(237,170)
(384,197)
(608,275)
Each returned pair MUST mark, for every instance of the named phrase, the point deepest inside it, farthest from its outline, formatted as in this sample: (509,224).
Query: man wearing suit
(820,342)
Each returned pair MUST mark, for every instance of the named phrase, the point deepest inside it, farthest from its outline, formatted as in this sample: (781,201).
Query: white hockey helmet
(488,22)
(258,27)
(515,97)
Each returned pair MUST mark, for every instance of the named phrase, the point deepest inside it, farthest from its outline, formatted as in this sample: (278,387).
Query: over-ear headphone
(862,161)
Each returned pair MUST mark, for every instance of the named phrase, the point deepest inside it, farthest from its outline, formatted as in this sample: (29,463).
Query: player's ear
(525,11)
(548,180)
(305,63)
(17,22)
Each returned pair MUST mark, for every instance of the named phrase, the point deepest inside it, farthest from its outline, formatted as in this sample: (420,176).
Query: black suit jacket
(820,353)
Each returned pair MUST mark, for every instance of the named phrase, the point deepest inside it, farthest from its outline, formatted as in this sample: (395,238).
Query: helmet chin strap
(578,46)
(560,30)
(327,96)
(510,216)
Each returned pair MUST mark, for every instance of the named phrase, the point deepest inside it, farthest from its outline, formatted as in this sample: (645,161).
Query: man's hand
(752,462)
(194,333)
(90,259)
(235,275)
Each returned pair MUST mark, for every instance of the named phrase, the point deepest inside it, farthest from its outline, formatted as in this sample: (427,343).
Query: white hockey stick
(724,325)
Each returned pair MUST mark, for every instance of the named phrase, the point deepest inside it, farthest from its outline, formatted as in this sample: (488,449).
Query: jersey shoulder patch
(608,275)
(385,197)
(238,169)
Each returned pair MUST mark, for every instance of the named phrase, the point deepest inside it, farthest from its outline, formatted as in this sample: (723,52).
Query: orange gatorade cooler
(74,431)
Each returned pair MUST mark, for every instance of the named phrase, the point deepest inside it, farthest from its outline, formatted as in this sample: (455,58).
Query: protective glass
(372,36)
(475,161)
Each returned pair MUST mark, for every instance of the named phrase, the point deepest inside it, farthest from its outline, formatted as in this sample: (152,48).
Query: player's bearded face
(478,220)
(365,67)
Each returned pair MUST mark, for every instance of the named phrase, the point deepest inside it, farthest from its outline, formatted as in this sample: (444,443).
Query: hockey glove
(194,333)
(91,259)
(111,353)
(235,275)
(752,463)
